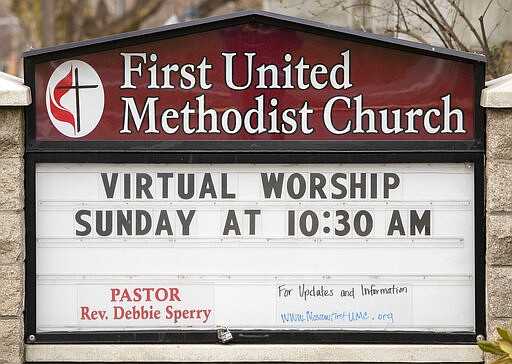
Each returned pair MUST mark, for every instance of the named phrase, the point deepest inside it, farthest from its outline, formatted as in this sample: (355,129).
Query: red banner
(254,82)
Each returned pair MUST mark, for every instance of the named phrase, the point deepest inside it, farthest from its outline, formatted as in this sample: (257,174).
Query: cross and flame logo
(75,98)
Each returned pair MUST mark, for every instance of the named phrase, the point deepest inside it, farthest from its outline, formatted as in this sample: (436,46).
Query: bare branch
(431,26)
(206,7)
(401,13)
(498,23)
(471,27)
(128,21)
(485,45)
(413,35)
(440,31)
(487,7)
(436,15)
(446,27)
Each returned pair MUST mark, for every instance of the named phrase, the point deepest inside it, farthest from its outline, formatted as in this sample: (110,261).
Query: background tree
(46,23)
(50,22)
(466,25)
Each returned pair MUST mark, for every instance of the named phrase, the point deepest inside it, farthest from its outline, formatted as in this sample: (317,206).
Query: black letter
(185,221)
(85,224)
(207,186)
(291,223)
(270,184)
(124,222)
(342,221)
(143,182)
(420,223)
(252,220)
(165,183)
(108,223)
(357,223)
(339,186)
(303,223)
(373,185)
(357,185)
(163,223)
(317,181)
(109,187)
(181,186)
(127,185)
(302,186)
(224,185)
(139,229)
(231,223)
(396,224)
(388,184)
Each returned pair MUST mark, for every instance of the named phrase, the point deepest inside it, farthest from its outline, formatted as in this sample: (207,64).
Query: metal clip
(224,335)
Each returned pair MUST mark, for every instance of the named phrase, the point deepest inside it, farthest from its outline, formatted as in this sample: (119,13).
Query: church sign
(254,178)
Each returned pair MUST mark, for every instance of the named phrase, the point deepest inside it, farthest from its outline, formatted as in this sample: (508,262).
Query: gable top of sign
(248,17)
(253,81)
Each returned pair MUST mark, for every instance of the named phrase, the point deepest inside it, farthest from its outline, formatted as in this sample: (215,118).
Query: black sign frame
(257,336)
(252,152)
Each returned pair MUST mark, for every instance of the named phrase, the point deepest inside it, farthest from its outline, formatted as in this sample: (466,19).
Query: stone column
(497,99)
(14,96)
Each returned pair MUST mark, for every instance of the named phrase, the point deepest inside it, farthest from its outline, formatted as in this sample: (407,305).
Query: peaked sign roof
(254,80)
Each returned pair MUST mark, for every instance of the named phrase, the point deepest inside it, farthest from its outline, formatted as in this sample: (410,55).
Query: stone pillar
(14,96)
(497,99)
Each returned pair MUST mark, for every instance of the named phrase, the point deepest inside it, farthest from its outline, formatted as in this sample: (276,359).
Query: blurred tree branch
(447,20)
(50,22)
